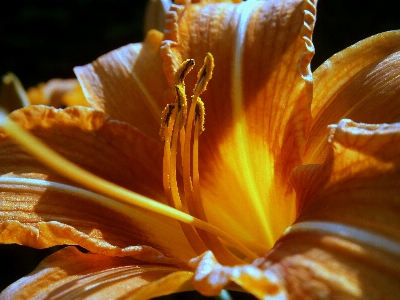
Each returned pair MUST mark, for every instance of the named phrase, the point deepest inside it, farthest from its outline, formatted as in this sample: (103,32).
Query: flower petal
(128,84)
(211,277)
(361,83)
(346,241)
(57,93)
(362,172)
(40,209)
(100,145)
(256,106)
(71,274)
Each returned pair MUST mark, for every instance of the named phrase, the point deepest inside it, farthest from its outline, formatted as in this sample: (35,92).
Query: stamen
(192,191)
(203,76)
(167,129)
(73,172)
(170,150)
(196,178)
(181,115)
(179,82)
(172,169)
(171,188)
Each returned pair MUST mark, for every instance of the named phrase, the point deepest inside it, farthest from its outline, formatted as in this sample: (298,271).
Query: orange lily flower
(266,200)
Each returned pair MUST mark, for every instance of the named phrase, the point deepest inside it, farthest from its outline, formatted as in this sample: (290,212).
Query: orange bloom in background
(266,200)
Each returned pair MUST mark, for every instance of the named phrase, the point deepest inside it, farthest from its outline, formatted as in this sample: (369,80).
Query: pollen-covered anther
(200,115)
(165,117)
(181,102)
(182,71)
(204,75)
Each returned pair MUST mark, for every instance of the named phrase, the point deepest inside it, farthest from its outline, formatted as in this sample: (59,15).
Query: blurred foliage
(41,40)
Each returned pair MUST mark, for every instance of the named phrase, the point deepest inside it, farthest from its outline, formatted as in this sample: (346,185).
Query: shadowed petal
(155,14)
(346,240)
(256,106)
(40,209)
(362,83)
(57,93)
(75,275)
(128,84)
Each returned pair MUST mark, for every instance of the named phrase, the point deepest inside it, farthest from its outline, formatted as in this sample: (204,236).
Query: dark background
(41,40)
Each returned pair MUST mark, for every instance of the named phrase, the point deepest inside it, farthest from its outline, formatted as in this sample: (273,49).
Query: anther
(204,75)
(169,113)
(181,102)
(199,114)
(182,71)
(165,117)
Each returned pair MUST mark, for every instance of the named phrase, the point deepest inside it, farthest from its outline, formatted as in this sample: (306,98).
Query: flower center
(188,211)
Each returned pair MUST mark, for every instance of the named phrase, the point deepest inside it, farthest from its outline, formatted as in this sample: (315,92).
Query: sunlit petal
(362,83)
(75,275)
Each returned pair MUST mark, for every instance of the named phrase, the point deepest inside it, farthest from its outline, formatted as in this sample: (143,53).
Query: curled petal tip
(211,277)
